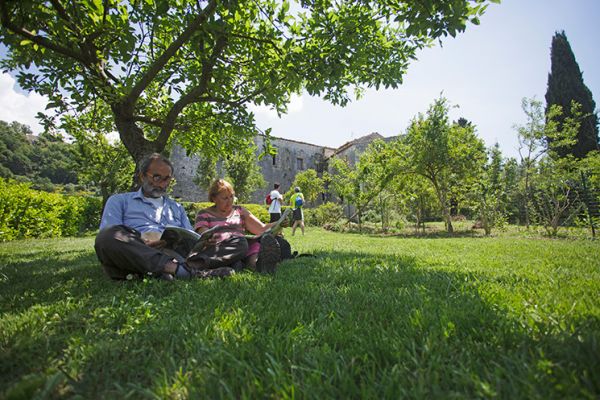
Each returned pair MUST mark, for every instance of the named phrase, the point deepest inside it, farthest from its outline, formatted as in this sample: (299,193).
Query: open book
(276,228)
(177,237)
(176,234)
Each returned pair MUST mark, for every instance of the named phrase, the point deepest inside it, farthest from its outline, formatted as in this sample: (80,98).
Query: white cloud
(296,105)
(19,107)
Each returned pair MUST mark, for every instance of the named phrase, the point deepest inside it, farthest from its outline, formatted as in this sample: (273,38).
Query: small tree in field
(532,146)
(362,185)
(556,197)
(556,184)
(309,183)
(488,192)
(344,183)
(447,155)
(416,196)
(243,172)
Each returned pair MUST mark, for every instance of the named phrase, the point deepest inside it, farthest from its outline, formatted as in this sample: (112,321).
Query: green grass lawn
(507,317)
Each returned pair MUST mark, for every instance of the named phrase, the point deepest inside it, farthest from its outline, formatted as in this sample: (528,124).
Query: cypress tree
(565,84)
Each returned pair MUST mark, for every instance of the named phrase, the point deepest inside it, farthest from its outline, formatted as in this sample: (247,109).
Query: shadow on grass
(338,325)
(46,278)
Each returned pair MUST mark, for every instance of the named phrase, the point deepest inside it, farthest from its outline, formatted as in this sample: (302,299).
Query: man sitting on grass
(128,244)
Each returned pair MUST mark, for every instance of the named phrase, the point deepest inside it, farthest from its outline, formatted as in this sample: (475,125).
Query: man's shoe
(166,277)
(269,254)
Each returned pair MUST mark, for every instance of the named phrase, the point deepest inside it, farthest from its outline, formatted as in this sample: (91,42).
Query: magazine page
(177,234)
(276,228)
(171,231)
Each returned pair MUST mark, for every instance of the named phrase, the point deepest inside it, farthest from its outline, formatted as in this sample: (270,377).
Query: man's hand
(157,244)
(152,239)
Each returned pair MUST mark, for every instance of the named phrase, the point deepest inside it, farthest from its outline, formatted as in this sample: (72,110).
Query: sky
(485,72)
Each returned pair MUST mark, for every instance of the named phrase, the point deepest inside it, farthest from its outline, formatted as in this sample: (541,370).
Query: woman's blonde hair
(219,186)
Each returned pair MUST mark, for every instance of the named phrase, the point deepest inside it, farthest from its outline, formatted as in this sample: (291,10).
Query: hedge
(28,213)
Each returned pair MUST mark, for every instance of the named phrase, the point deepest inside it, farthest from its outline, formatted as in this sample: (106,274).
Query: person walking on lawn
(296,202)
(128,244)
(275,207)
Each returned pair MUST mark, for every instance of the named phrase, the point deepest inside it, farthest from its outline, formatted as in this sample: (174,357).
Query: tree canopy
(446,154)
(41,159)
(186,69)
(565,86)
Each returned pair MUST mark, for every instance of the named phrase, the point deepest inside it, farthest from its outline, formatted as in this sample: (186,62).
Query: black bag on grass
(285,248)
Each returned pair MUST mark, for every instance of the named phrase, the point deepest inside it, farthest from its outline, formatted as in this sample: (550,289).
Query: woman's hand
(207,239)
(210,241)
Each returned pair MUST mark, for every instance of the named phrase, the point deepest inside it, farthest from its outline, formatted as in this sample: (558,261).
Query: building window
(299,164)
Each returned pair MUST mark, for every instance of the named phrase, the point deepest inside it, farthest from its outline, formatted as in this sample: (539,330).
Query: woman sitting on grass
(228,245)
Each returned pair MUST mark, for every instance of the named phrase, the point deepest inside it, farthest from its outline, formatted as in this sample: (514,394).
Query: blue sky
(485,71)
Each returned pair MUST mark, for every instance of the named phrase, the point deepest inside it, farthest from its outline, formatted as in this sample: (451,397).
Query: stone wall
(292,157)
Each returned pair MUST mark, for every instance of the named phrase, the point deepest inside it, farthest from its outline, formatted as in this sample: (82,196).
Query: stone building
(292,157)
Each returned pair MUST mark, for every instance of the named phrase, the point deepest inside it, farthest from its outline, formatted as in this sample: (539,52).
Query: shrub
(260,211)
(28,213)
(326,214)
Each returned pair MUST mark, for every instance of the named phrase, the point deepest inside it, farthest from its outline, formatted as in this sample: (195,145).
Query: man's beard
(151,191)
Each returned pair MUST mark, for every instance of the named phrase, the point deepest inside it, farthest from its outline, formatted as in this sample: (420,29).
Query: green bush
(261,212)
(325,214)
(192,208)
(28,213)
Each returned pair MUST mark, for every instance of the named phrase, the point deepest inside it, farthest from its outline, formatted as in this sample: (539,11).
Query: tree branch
(195,93)
(37,39)
(164,58)
(86,58)
(258,40)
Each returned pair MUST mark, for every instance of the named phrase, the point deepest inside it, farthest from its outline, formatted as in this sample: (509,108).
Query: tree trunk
(382,212)
(526,203)
(359,220)
(446,212)
(486,224)
(132,135)
(441,195)
(448,218)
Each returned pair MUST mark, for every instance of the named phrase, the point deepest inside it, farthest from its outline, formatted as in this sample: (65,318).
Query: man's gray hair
(146,161)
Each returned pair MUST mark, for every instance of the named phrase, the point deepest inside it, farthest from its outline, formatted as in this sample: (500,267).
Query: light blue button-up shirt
(136,211)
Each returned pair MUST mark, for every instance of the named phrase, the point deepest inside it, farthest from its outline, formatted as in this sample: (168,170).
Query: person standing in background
(275,207)
(297,201)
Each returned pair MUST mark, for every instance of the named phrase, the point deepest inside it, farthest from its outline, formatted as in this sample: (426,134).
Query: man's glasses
(159,178)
